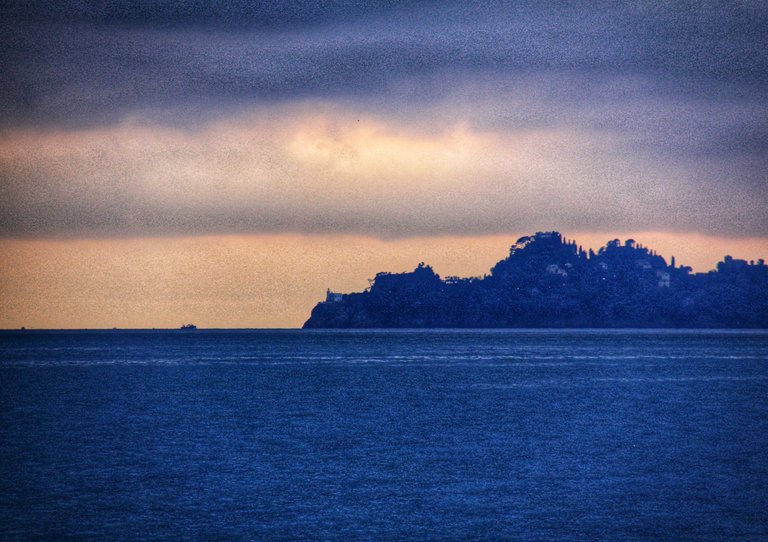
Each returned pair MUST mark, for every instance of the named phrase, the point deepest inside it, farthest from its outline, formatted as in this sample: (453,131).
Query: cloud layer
(68,64)
(320,169)
(387,119)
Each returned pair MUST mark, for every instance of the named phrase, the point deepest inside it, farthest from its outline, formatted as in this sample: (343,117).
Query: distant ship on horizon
(188,327)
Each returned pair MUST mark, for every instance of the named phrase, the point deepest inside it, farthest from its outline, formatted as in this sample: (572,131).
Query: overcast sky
(389,119)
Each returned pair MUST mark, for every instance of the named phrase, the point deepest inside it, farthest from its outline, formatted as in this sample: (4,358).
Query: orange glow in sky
(253,281)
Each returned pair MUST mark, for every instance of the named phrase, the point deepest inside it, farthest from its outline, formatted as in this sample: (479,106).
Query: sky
(226,162)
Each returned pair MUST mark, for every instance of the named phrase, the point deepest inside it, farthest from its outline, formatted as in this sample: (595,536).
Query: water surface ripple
(384,435)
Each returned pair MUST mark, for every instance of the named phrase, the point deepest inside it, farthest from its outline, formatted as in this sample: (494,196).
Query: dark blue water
(535,435)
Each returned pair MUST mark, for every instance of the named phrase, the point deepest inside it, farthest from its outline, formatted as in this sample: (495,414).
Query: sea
(384,435)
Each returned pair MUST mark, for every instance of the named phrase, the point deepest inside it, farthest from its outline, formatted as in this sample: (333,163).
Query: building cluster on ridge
(548,280)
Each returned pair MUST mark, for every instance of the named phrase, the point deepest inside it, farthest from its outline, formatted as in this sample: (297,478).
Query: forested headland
(548,281)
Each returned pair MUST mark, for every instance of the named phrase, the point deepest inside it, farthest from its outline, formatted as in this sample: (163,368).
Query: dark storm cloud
(205,13)
(73,63)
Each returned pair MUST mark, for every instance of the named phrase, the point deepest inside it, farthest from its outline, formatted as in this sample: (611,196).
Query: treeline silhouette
(548,281)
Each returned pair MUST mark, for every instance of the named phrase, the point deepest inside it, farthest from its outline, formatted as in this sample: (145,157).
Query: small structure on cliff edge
(332,297)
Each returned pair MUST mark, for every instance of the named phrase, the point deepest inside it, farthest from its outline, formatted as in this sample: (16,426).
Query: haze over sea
(349,435)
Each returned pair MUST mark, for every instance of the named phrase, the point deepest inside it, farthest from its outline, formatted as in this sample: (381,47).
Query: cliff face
(549,282)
